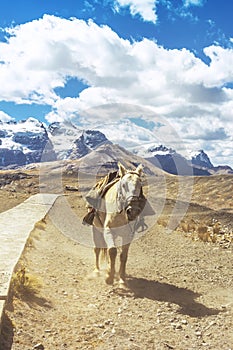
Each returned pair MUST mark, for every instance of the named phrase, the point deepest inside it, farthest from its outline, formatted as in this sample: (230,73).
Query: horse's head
(130,191)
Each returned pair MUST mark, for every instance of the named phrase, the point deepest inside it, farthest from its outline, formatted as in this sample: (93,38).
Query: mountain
(106,157)
(24,142)
(72,142)
(195,163)
(87,142)
(146,142)
(30,141)
(174,163)
(221,169)
(201,159)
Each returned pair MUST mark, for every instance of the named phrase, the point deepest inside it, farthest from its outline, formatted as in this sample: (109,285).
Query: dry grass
(36,233)
(211,231)
(25,284)
(40,225)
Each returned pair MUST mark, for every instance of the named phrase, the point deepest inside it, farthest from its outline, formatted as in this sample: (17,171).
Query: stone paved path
(15,227)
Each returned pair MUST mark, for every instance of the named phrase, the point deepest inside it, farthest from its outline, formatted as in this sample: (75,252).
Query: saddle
(97,192)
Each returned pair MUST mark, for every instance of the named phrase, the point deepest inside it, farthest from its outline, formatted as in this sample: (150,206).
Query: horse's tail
(103,254)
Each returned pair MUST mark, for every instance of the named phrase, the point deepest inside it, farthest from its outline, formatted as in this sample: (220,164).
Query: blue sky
(60,58)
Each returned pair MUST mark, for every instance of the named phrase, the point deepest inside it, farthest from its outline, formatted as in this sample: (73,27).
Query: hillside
(179,285)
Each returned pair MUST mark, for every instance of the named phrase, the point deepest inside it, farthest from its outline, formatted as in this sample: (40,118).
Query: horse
(113,221)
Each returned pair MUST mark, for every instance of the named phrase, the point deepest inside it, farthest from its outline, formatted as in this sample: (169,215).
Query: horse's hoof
(109,280)
(96,272)
(122,282)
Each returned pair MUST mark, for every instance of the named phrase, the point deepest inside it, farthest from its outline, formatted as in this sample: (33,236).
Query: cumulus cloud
(44,54)
(4,117)
(145,8)
(129,135)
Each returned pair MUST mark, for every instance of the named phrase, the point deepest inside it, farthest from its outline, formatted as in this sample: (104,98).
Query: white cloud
(145,8)
(129,135)
(43,54)
(188,3)
(4,117)
(221,66)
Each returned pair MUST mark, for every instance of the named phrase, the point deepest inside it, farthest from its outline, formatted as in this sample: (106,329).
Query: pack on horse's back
(94,196)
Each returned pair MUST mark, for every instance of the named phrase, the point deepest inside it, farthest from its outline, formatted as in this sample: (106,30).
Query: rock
(178,326)
(212,323)
(198,333)
(71,188)
(101,325)
(39,346)
(108,322)
(184,321)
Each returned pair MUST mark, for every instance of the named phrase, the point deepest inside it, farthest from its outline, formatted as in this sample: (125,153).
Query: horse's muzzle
(132,212)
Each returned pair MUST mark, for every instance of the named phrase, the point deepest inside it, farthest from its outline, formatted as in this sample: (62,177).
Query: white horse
(121,204)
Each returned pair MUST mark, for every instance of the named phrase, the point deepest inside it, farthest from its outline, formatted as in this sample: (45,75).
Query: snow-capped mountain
(72,142)
(31,141)
(23,142)
(196,163)
(167,159)
(63,136)
(87,142)
(154,151)
(147,144)
(200,158)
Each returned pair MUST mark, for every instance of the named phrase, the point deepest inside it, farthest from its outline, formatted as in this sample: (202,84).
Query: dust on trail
(179,296)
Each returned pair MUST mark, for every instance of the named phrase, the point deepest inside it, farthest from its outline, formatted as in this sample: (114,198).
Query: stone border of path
(16,225)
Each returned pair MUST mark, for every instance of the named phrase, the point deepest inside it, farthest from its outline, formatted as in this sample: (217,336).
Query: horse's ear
(139,169)
(122,170)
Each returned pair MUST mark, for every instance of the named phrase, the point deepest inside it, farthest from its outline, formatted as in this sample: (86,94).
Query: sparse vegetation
(36,233)
(40,225)
(24,284)
(208,231)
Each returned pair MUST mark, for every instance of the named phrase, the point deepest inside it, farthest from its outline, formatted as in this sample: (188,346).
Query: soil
(10,200)
(16,187)
(179,291)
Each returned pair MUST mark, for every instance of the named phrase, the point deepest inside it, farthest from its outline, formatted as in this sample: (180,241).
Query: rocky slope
(195,163)
(24,142)
(31,141)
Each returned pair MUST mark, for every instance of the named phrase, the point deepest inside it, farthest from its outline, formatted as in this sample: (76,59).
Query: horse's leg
(99,245)
(97,255)
(112,253)
(123,260)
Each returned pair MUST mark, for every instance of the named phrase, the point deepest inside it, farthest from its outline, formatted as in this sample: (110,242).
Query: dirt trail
(179,296)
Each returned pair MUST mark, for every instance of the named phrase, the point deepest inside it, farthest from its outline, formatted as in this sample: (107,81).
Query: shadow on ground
(7,327)
(157,291)
(6,333)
